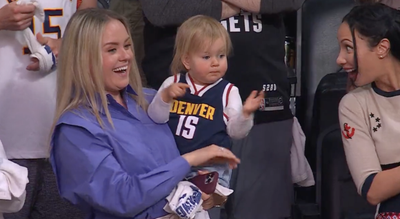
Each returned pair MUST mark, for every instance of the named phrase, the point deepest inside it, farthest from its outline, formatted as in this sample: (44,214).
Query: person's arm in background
(175,12)
(229,10)
(267,6)
(372,183)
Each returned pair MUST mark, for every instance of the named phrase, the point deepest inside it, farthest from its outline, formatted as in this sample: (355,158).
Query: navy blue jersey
(198,121)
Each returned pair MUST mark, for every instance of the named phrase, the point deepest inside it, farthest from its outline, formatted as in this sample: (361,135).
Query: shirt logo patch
(348,131)
(188,202)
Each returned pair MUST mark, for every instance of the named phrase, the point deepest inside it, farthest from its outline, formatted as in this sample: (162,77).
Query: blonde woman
(109,157)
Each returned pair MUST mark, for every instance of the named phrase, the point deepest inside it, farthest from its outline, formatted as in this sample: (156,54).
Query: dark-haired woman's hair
(375,22)
(366,1)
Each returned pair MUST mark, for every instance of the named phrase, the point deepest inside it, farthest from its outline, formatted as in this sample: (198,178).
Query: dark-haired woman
(369,40)
(391,3)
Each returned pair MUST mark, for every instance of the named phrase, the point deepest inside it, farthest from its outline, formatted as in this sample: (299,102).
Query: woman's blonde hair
(80,75)
(196,33)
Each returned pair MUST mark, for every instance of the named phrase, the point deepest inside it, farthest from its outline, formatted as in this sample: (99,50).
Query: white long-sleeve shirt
(237,125)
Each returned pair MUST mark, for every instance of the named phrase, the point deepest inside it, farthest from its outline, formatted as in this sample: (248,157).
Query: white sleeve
(358,144)
(237,125)
(158,110)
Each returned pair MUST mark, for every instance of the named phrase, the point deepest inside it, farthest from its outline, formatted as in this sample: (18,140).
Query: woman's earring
(381,57)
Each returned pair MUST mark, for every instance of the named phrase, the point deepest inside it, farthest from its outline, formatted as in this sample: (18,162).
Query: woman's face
(117,56)
(368,69)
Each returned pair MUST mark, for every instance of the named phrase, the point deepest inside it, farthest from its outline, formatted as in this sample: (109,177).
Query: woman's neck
(117,95)
(391,80)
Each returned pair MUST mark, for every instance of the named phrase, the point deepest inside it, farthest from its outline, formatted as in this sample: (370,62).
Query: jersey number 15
(186,126)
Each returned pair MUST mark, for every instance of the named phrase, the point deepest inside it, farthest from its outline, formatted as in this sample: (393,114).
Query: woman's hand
(208,201)
(212,200)
(211,155)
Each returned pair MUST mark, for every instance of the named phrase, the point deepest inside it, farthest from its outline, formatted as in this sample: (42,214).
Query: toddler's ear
(186,61)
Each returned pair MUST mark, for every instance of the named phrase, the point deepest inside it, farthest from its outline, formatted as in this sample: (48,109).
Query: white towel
(185,201)
(47,60)
(223,191)
(13,180)
(301,171)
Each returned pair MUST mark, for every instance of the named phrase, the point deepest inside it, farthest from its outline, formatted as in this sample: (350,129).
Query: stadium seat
(319,50)
(336,193)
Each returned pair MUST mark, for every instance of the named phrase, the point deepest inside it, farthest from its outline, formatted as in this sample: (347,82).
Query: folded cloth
(223,191)
(302,174)
(185,201)
(46,58)
(13,180)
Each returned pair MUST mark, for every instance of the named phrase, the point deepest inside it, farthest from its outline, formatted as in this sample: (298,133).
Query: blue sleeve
(89,175)
(367,185)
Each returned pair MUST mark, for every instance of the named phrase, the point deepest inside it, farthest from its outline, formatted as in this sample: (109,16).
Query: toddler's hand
(173,91)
